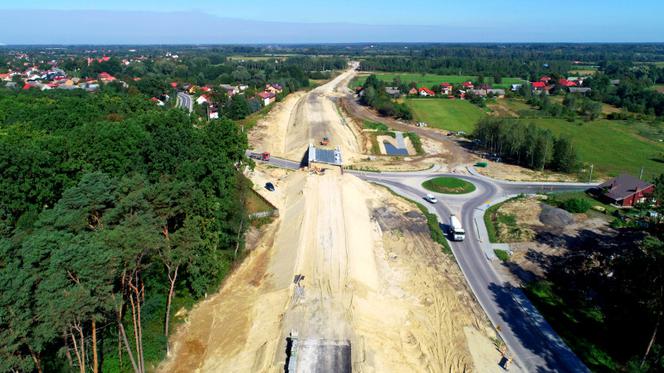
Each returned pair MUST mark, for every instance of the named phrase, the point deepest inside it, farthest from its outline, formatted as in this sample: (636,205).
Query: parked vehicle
(456,230)
(269,186)
(431,198)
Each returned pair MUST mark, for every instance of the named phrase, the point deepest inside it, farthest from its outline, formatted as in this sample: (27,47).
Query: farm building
(626,190)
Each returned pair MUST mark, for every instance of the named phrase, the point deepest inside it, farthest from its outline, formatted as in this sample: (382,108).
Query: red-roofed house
(267,97)
(413,91)
(566,83)
(106,77)
(174,84)
(545,79)
(203,99)
(538,86)
(426,92)
(5,76)
(445,88)
(206,89)
(468,85)
(26,86)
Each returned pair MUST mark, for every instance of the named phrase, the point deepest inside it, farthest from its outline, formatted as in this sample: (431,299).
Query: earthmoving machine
(325,141)
(264,156)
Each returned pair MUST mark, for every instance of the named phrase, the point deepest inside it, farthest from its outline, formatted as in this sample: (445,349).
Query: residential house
(468,85)
(213,112)
(614,81)
(545,79)
(274,88)
(267,97)
(393,92)
(626,190)
(230,90)
(566,83)
(445,88)
(157,101)
(6,77)
(426,92)
(477,92)
(497,92)
(538,86)
(516,87)
(106,77)
(412,91)
(203,99)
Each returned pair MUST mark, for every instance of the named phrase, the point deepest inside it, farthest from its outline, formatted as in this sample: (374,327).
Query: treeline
(519,67)
(105,223)
(632,94)
(572,105)
(526,144)
(374,95)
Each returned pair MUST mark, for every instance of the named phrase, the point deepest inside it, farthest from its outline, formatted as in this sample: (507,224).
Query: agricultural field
(429,80)
(612,146)
(453,115)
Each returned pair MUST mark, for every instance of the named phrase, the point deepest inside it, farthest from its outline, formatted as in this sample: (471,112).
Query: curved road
(185,101)
(534,344)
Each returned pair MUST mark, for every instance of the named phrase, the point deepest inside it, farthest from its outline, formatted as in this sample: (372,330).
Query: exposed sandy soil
(504,171)
(373,276)
(306,117)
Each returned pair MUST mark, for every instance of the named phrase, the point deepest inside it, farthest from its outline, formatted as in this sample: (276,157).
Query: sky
(297,21)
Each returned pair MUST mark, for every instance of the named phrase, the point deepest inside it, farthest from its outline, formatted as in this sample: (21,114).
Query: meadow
(428,80)
(612,146)
(453,115)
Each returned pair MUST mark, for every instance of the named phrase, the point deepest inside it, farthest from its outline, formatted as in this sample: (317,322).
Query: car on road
(269,186)
(431,198)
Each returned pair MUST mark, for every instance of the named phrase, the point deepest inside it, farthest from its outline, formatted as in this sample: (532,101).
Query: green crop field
(453,115)
(429,80)
(612,146)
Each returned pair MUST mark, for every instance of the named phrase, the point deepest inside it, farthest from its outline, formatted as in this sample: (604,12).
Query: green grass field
(429,80)
(612,146)
(448,185)
(453,115)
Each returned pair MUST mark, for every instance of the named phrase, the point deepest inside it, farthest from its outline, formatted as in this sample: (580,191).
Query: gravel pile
(555,217)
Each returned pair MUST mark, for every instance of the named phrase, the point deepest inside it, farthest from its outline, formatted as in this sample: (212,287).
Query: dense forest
(112,210)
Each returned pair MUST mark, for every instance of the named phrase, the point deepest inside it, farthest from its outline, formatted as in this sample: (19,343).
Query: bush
(576,205)
(502,255)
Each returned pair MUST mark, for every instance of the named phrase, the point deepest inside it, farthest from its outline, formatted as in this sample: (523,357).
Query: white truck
(456,231)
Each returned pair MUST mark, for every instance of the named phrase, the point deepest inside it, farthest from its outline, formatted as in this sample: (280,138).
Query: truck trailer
(456,230)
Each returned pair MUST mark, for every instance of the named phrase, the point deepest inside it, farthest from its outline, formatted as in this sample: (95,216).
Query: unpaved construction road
(378,295)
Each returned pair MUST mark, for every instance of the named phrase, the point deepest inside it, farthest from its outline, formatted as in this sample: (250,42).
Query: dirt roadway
(373,276)
(304,118)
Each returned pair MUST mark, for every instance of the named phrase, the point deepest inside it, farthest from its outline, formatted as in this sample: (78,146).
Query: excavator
(325,141)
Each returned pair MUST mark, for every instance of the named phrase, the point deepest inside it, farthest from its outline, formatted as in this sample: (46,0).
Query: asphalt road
(530,339)
(185,101)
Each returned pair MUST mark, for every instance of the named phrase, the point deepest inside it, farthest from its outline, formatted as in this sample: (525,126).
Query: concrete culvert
(555,217)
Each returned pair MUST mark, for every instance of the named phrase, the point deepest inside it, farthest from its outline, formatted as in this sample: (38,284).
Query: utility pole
(590,178)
